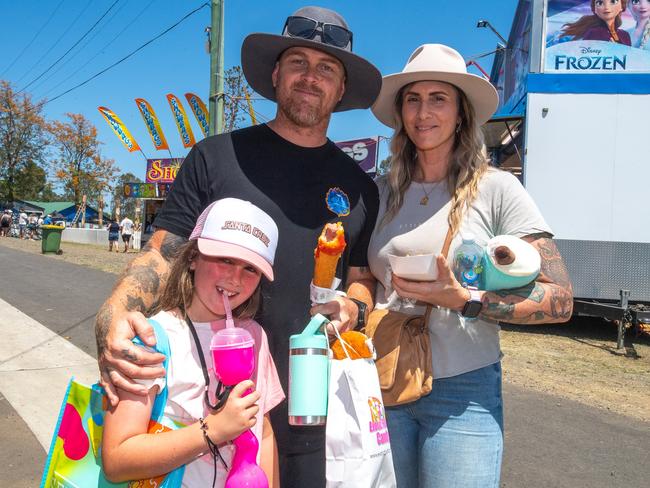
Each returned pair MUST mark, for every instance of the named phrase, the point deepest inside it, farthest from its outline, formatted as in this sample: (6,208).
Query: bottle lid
(231,338)
(468,238)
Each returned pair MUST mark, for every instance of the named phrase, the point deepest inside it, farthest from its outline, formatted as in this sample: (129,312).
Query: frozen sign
(363,151)
(597,36)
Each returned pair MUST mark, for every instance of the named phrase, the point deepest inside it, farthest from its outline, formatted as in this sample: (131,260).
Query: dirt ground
(577,360)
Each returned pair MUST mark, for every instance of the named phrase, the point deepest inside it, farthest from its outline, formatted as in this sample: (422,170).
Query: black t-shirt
(290,183)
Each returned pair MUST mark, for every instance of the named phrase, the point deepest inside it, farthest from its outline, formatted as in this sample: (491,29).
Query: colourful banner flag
(200,112)
(120,129)
(182,121)
(153,126)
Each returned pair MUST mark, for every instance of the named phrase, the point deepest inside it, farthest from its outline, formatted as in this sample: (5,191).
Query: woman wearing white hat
(440,179)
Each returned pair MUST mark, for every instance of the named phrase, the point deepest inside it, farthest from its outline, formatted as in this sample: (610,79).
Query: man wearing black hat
(290,169)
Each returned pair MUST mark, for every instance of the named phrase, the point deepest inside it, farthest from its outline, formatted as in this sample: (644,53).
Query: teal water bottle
(468,263)
(309,374)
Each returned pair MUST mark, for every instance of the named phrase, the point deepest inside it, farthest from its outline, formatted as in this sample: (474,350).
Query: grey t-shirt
(502,207)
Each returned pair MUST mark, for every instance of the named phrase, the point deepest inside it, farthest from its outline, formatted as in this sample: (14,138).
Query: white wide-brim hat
(437,62)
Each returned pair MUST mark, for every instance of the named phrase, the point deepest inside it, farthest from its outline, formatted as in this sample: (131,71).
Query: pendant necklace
(425,199)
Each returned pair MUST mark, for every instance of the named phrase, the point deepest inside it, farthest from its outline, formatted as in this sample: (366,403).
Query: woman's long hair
(178,292)
(467,165)
(578,28)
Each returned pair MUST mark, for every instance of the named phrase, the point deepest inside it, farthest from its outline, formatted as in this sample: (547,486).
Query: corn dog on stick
(331,244)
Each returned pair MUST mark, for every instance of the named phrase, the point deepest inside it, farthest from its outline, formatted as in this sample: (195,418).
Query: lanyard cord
(221,393)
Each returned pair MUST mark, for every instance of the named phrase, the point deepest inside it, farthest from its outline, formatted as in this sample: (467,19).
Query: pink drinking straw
(226,304)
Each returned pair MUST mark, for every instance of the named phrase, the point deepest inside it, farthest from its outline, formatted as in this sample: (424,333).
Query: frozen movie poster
(597,36)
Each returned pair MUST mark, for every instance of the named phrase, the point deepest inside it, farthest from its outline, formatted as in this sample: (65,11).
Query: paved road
(549,442)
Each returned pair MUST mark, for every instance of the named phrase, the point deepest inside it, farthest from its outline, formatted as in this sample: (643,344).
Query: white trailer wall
(587,164)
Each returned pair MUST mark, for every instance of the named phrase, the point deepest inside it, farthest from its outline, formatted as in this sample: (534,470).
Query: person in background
(22,222)
(113,229)
(5,223)
(288,168)
(126,227)
(32,225)
(440,179)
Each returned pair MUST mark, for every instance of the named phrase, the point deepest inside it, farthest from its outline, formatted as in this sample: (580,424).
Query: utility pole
(216,68)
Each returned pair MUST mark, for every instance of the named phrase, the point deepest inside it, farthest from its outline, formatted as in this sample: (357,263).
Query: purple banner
(363,151)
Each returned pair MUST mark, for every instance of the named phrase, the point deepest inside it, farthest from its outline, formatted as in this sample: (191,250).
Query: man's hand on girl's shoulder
(119,358)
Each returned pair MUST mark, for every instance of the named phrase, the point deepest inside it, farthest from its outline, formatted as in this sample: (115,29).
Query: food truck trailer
(574,126)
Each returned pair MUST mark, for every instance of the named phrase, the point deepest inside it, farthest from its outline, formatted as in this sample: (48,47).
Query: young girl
(232,245)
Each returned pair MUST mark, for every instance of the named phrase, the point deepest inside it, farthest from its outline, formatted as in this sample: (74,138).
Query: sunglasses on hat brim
(306,28)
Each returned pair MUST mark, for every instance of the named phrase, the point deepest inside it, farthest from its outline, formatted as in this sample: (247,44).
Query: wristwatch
(474,305)
(361,317)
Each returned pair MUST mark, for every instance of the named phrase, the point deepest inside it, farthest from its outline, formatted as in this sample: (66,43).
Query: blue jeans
(453,437)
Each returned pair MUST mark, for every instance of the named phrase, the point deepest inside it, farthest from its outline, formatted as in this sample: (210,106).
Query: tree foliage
(23,138)
(127,205)
(383,166)
(80,167)
(235,110)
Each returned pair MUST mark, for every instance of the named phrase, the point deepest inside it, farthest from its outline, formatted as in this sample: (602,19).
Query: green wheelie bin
(51,238)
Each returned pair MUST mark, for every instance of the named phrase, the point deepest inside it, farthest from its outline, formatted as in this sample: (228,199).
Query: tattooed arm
(121,317)
(548,299)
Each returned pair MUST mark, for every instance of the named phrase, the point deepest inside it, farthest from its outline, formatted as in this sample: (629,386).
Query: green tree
(23,138)
(127,205)
(80,167)
(30,182)
(383,166)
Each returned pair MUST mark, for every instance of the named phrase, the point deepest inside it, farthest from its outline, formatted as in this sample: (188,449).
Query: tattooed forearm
(102,323)
(548,299)
(138,288)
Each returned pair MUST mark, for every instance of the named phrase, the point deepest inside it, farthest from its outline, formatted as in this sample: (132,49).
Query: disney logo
(589,50)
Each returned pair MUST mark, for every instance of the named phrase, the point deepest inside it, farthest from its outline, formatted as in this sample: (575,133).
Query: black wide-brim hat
(260,52)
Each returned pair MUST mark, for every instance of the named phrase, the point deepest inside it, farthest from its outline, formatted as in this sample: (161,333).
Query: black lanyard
(222,392)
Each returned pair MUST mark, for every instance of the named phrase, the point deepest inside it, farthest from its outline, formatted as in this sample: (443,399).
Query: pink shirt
(186,384)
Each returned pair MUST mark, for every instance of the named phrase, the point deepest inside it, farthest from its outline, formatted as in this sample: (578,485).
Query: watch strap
(361,316)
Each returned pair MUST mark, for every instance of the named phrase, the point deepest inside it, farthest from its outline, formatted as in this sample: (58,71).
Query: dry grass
(577,360)
(96,257)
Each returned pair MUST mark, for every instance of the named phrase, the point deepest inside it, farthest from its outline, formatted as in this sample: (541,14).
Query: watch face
(472,309)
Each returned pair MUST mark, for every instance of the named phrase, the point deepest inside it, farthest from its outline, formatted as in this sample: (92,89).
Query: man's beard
(301,112)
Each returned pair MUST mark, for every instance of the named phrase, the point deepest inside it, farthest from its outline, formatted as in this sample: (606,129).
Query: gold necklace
(425,199)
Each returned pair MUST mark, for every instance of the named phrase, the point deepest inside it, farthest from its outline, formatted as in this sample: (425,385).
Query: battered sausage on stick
(331,244)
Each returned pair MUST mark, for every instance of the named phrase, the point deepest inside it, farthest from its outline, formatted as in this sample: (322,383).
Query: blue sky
(384,32)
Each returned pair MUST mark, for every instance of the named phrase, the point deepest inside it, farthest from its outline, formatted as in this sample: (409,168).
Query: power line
(73,56)
(73,46)
(55,43)
(101,50)
(49,19)
(130,54)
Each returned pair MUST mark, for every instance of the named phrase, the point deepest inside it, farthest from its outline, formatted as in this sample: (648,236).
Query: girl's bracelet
(204,428)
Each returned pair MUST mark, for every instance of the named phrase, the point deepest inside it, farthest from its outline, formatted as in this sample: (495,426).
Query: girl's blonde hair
(179,289)
(468,162)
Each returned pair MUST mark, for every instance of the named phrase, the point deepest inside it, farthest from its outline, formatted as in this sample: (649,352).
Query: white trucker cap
(235,228)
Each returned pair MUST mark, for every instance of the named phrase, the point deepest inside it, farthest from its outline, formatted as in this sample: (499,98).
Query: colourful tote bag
(75,460)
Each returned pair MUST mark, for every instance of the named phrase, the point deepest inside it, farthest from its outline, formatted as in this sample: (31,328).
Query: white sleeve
(150,383)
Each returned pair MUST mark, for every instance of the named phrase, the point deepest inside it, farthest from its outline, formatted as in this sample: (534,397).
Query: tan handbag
(403,351)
